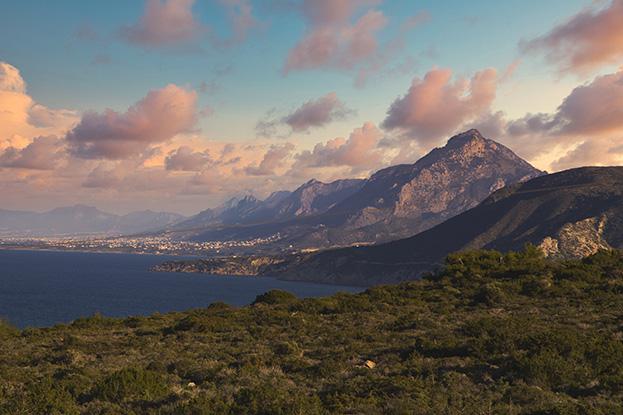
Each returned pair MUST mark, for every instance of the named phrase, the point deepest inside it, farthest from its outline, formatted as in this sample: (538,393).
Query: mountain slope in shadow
(571,213)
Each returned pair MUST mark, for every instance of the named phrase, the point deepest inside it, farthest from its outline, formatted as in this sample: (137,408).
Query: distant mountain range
(567,214)
(312,198)
(393,203)
(80,219)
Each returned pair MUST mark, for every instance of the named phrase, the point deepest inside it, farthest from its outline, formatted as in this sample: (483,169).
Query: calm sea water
(42,288)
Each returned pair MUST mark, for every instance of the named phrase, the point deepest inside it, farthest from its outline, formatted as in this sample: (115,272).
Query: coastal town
(155,245)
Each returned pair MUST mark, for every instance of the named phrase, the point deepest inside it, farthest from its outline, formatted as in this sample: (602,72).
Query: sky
(179,105)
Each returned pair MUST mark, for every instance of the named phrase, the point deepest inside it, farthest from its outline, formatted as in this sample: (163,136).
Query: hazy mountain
(393,203)
(571,213)
(312,198)
(81,219)
(146,220)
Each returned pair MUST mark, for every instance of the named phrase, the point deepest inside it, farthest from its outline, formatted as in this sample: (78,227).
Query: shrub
(275,297)
(42,397)
(131,384)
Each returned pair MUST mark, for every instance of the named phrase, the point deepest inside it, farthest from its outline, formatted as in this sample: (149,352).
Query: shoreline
(96,251)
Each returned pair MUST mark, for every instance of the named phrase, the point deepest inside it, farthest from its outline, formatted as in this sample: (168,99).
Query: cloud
(158,117)
(171,23)
(312,114)
(10,79)
(102,177)
(590,39)
(331,39)
(317,113)
(592,108)
(185,159)
(274,159)
(21,117)
(592,152)
(360,151)
(240,13)
(164,23)
(434,106)
(585,129)
(43,153)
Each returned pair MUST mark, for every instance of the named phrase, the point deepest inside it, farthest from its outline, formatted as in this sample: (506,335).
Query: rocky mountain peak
(310,183)
(466,146)
(466,138)
(248,200)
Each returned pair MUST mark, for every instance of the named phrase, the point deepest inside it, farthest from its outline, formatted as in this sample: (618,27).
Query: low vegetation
(491,333)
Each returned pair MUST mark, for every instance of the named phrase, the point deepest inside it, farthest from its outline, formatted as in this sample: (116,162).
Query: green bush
(273,297)
(41,397)
(131,384)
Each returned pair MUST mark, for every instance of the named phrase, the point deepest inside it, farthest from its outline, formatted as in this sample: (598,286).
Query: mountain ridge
(580,209)
(81,219)
(394,202)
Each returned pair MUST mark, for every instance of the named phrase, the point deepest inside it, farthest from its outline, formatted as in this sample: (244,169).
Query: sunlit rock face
(407,199)
(578,239)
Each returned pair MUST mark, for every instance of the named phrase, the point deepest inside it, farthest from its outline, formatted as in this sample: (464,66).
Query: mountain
(394,203)
(568,214)
(312,198)
(81,219)
(402,200)
(315,197)
(146,220)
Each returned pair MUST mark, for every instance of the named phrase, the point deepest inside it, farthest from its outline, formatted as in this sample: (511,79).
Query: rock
(369,364)
(577,240)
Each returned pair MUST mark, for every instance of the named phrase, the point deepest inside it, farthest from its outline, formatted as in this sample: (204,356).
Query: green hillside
(491,334)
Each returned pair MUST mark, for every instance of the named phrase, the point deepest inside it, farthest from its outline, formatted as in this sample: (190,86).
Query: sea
(44,288)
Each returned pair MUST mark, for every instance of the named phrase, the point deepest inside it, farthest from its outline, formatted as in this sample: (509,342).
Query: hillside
(492,334)
(571,213)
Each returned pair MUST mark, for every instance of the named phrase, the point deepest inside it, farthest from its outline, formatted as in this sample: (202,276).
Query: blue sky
(73,56)
(42,40)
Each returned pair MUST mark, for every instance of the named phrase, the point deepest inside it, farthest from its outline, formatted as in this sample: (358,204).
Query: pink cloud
(172,23)
(316,113)
(185,159)
(591,38)
(102,177)
(331,39)
(21,117)
(359,151)
(435,106)
(10,79)
(585,129)
(44,153)
(164,23)
(158,117)
(275,158)
(313,113)
(593,108)
(592,152)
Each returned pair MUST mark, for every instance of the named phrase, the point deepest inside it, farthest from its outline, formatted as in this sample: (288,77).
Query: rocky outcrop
(577,240)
